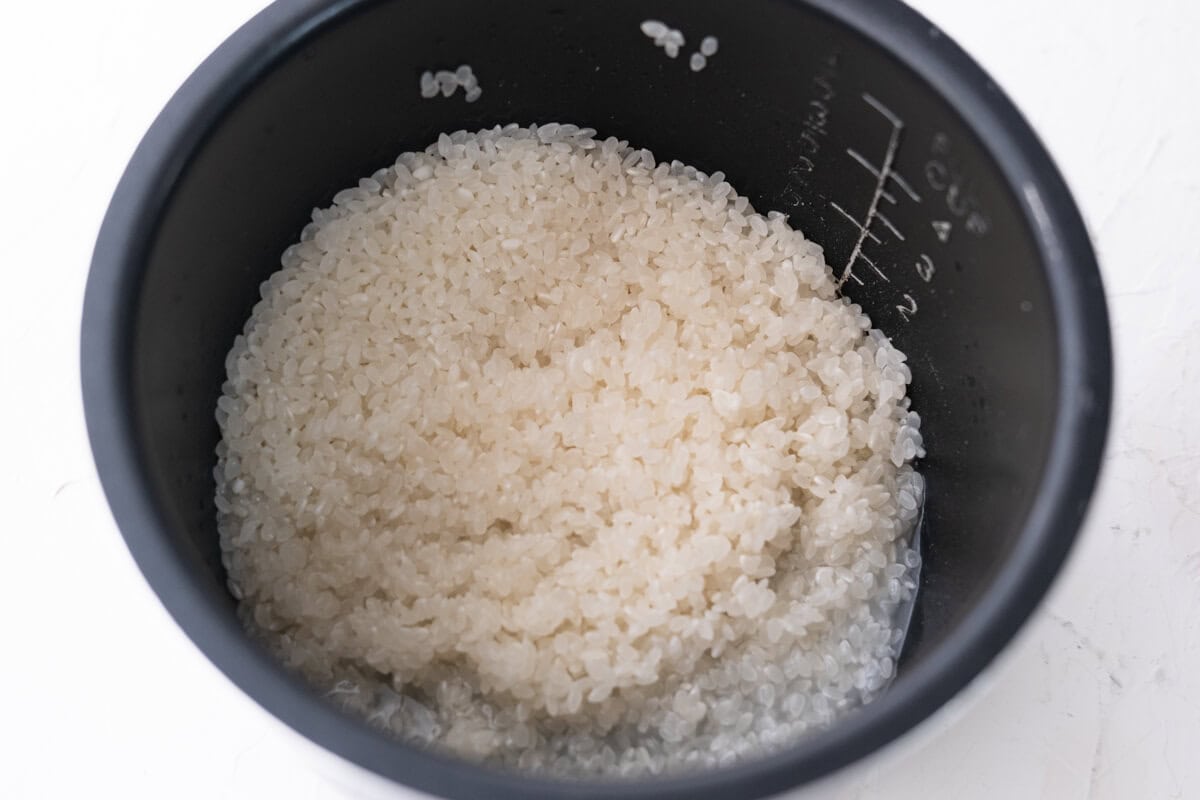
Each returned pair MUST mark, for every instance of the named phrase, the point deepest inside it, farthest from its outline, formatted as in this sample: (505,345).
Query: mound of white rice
(547,453)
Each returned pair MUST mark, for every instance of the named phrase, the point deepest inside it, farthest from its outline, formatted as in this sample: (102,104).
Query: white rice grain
(529,457)
(429,85)
(654,29)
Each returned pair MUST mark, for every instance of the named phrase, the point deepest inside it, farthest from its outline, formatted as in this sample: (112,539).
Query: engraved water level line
(885,175)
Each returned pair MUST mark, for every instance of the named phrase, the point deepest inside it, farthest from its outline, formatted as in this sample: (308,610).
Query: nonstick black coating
(981,270)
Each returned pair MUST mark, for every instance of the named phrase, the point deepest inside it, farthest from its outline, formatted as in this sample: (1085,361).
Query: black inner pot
(879,138)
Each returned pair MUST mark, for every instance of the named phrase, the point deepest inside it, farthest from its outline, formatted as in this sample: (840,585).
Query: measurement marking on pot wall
(893,176)
(882,174)
(869,167)
(887,223)
(925,268)
(854,222)
(942,228)
(862,257)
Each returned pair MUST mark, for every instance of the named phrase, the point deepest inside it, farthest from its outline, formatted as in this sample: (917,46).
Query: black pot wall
(975,261)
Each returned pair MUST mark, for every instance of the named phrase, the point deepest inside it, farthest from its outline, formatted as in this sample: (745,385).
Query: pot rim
(1072,466)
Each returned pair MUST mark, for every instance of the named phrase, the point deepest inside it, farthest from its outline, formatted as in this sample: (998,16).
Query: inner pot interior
(802,114)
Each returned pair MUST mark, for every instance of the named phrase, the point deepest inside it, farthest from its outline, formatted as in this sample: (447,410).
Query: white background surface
(100,694)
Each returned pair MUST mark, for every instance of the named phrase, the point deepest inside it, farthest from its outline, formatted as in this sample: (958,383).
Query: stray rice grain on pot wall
(547,453)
